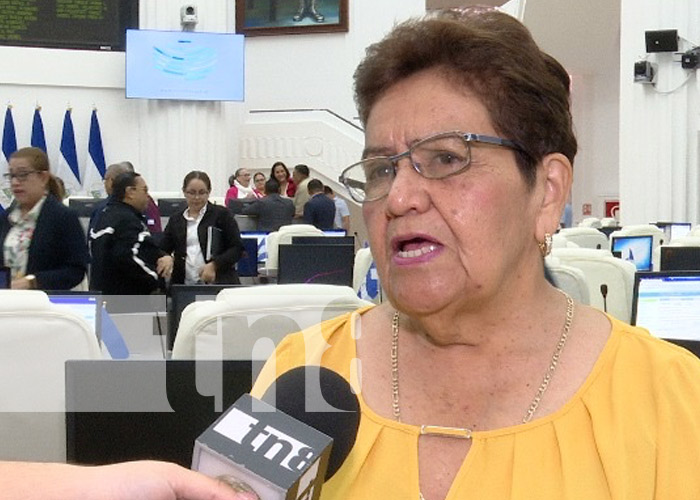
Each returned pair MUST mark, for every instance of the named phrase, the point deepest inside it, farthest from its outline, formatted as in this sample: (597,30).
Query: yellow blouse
(632,431)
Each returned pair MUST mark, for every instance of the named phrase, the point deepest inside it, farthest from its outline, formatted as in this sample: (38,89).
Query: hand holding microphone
(283,452)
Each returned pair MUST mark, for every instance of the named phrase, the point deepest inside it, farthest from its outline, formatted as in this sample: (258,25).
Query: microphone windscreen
(333,410)
(604,290)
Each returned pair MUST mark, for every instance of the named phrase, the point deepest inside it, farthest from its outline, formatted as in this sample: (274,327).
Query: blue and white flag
(95,168)
(369,289)
(9,146)
(68,168)
(38,136)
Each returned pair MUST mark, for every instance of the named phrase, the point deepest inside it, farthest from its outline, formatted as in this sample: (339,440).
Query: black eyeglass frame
(467,137)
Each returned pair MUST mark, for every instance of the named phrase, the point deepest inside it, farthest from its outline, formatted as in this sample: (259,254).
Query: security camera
(188,15)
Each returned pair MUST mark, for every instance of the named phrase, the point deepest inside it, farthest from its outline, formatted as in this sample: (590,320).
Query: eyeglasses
(435,157)
(194,194)
(20,176)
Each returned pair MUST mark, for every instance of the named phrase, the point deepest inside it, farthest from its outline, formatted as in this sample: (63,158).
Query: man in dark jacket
(125,259)
(273,210)
(319,210)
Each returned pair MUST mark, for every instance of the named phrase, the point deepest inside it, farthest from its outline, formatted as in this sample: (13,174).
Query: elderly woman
(186,238)
(43,242)
(479,379)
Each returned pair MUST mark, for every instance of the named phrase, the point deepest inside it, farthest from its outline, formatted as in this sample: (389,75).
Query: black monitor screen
(323,240)
(329,264)
(183,295)
(680,258)
(84,206)
(171,206)
(248,265)
(5,277)
(147,409)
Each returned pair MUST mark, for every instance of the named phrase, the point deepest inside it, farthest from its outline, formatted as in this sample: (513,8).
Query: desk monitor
(183,295)
(673,230)
(87,305)
(261,236)
(668,304)
(635,249)
(248,264)
(147,409)
(335,232)
(171,206)
(329,264)
(323,240)
(5,277)
(84,207)
(680,258)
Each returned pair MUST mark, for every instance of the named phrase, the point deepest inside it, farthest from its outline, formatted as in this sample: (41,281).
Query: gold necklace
(466,433)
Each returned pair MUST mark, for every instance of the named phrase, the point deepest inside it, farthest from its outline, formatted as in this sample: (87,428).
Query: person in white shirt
(342,212)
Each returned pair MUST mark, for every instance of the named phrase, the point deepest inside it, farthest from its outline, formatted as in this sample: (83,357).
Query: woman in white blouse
(186,237)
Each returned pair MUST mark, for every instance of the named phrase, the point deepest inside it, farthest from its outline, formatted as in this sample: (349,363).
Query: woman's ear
(556,178)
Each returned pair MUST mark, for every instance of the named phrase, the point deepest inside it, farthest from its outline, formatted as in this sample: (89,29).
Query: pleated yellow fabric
(632,431)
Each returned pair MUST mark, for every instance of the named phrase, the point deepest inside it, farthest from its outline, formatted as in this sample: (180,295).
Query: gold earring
(546,245)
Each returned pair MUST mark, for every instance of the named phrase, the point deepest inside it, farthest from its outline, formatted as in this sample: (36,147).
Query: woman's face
(452,242)
(28,185)
(243,177)
(197,195)
(280,174)
(259,181)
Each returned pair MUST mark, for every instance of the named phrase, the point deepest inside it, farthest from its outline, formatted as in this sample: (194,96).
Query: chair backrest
(284,237)
(586,237)
(569,279)
(601,268)
(36,339)
(246,323)
(591,222)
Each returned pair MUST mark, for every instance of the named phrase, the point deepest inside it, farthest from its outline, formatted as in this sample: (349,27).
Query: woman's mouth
(413,248)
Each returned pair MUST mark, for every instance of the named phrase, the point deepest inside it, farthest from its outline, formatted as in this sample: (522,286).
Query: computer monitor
(87,305)
(261,236)
(84,207)
(329,264)
(5,277)
(171,206)
(635,249)
(126,410)
(674,230)
(607,231)
(668,304)
(679,258)
(248,264)
(183,295)
(323,240)
(335,232)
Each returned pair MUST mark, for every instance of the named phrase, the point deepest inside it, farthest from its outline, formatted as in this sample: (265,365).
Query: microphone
(604,293)
(283,452)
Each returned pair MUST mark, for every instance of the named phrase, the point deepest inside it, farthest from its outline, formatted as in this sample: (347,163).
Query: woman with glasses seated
(43,242)
(476,377)
(204,241)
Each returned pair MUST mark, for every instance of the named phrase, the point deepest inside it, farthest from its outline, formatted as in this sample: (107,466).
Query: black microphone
(604,293)
(283,452)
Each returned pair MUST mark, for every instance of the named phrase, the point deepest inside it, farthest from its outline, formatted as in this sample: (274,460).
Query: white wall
(659,125)
(166,139)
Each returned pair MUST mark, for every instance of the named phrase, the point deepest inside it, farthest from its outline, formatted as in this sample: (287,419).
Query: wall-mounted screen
(184,65)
